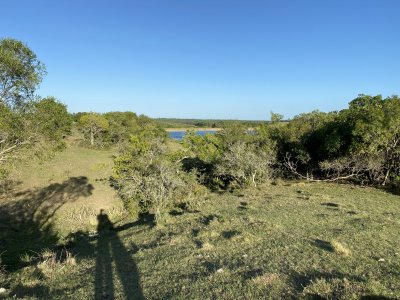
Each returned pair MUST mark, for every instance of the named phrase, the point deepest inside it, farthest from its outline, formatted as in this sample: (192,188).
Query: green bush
(148,180)
(360,143)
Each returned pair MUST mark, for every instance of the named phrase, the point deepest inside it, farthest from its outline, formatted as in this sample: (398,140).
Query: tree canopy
(29,126)
(20,72)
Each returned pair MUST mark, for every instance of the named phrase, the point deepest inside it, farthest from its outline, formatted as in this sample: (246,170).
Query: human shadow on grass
(26,219)
(116,274)
(111,250)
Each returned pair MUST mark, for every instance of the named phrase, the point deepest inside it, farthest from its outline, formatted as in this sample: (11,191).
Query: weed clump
(51,262)
(340,248)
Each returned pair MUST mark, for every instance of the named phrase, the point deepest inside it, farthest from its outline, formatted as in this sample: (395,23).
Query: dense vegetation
(156,179)
(359,144)
(29,126)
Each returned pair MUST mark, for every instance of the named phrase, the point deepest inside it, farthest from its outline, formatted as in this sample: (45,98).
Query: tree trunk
(386,176)
(253,178)
(91,137)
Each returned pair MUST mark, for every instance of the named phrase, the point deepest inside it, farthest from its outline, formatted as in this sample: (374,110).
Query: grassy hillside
(284,240)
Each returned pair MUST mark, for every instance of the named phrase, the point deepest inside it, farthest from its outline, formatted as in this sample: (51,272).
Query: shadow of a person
(111,250)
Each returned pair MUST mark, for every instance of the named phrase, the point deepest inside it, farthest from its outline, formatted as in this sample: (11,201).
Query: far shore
(192,128)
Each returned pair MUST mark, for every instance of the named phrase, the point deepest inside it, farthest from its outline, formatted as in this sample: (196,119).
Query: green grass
(81,202)
(288,240)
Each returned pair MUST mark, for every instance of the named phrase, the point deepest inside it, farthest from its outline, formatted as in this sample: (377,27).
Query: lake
(178,135)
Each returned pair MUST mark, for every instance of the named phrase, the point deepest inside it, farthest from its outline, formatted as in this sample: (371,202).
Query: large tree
(20,73)
(28,126)
(51,118)
(93,125)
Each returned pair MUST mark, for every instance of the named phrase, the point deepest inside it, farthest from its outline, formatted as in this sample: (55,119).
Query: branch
(292,166)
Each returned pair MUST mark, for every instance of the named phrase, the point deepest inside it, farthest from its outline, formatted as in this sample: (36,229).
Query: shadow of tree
(25,219)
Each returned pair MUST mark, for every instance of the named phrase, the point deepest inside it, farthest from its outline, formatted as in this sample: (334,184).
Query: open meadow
(287,239)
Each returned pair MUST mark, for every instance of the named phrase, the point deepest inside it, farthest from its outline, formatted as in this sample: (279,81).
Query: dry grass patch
(267,279)
(340,248)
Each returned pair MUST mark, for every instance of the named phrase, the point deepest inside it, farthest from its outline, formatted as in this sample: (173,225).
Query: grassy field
(283,240)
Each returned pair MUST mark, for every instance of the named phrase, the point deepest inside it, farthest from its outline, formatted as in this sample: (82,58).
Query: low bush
(149,180)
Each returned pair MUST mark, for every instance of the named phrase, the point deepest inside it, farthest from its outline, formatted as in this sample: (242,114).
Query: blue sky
(210,58)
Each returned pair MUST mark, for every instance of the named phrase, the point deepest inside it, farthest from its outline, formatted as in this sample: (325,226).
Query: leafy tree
(147,179)
(207,148)
(375,126)
(20,73)
(361,142)
(12,135)
(121,126)
(94,126)
(52,118)
(77,116)
(275,117)
(28,127)
(36,131)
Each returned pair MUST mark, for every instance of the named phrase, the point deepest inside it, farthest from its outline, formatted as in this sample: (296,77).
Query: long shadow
(300,281)
(110,249)
(25,218)
(323,245)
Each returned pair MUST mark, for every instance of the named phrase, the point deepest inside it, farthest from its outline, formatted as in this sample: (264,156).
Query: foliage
(36,131)
(94,127)
(113,128)
(275,117)
(245,163)
(20,73)
(52,118)
(28,127)
(207,148)
(361,142)
(147,179)
(234,154)
(121,126)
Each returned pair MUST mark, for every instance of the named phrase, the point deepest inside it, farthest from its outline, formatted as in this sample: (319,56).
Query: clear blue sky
(210,58)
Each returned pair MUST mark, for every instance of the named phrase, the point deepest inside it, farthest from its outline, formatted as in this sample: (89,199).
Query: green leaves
(147,176)
(52,118)
(362,140)
(20,73)
(93,125)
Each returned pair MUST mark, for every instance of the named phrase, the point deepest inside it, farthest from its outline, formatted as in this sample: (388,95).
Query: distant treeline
(112,128)
(204,123)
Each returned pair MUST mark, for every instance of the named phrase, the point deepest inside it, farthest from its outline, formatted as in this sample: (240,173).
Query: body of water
(178,135)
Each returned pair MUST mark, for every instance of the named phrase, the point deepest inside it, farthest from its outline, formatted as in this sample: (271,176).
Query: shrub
(245,163)
(148,180)
(233,155)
